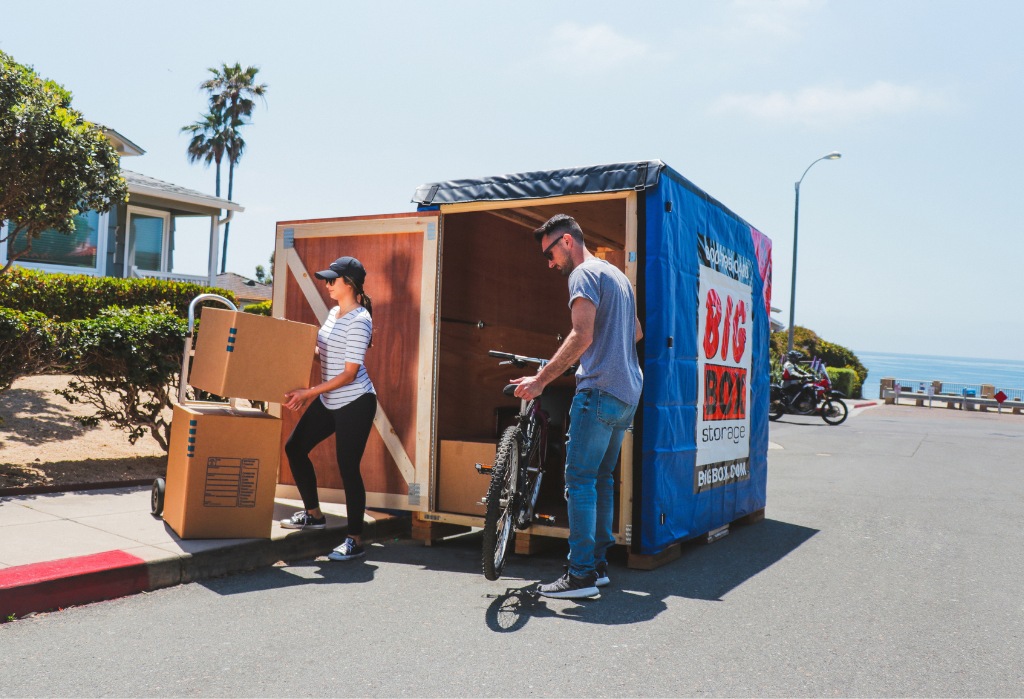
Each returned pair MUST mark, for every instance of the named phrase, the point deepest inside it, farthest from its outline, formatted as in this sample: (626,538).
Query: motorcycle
(815,397)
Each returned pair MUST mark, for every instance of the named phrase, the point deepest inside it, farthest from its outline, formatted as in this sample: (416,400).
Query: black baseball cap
(345,267)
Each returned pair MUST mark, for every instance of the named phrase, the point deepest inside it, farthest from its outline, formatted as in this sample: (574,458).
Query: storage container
(463,275)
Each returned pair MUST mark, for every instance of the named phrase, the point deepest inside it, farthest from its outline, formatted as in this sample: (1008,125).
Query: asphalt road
(890,564)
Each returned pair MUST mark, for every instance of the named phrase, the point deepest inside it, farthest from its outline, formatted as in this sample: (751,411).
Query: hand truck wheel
(156,499)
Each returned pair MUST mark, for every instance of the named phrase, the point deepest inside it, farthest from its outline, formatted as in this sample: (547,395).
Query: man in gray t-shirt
(605,330)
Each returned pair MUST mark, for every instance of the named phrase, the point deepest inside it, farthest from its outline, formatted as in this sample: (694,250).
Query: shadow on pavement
(311,572)
(703,573)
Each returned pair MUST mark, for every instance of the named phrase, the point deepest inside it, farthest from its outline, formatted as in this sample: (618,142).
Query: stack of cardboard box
(223,460)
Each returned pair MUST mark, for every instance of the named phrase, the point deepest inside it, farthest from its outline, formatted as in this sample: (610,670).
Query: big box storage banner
(723,366)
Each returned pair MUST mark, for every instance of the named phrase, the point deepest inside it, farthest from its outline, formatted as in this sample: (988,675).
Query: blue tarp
(669,508)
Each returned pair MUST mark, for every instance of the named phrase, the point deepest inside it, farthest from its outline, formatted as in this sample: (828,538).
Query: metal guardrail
(952,388)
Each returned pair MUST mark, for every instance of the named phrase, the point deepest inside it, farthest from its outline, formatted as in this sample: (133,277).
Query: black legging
(351,425)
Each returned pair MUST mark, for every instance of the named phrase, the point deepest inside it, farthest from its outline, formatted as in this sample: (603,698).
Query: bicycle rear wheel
(501,497)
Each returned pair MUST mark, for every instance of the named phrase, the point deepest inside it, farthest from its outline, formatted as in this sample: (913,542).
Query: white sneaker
(348,550)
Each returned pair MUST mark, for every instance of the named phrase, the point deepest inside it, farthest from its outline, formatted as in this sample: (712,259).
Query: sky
(910,243)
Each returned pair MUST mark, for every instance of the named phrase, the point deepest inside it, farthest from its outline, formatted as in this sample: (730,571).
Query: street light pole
(834,155)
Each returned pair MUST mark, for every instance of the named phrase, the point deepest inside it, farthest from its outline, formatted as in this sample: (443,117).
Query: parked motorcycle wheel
(834,411)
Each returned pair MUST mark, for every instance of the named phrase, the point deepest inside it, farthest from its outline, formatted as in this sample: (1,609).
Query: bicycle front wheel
(501,504)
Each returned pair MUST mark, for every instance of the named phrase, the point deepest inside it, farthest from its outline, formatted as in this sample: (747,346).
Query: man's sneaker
(348,550)
(304,520)
(602,574)
(570,587)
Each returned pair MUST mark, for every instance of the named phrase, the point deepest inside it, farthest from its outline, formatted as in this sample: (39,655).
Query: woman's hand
(297,399)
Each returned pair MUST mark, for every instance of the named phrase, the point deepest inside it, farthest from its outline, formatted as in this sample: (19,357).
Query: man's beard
(568,267)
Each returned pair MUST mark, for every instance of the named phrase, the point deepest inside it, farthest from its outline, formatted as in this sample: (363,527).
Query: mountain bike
(516,475)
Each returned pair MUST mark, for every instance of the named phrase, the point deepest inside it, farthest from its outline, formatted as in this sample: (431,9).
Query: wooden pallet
(644,561)
(526,544)
(431,532)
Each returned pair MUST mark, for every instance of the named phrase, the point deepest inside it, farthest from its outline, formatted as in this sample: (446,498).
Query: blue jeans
(597,423)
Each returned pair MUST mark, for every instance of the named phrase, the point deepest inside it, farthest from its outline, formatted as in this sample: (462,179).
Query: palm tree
(207,141)
(232,89)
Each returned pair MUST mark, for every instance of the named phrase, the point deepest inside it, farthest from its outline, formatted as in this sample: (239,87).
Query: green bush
(262,308)
(79,296)
(835,356)
(126,363)
(774,369)
(121,338)
(28,345)
(845,381)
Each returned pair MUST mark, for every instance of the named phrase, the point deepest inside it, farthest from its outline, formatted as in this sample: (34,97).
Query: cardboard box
(460,487)
(243,355)
(221,472)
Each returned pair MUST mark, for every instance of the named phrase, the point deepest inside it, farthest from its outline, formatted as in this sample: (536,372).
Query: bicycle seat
(510,389)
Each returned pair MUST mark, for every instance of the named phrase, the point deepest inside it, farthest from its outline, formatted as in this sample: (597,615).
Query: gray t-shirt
(610,363)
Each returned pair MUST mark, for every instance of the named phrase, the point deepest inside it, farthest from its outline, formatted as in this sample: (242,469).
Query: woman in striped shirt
(343,404)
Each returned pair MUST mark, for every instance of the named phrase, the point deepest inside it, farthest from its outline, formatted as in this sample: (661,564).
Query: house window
(78,249)
(148,234)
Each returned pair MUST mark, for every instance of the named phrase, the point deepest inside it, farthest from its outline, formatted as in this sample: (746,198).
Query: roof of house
(244,288)
(121,143)
(151,186)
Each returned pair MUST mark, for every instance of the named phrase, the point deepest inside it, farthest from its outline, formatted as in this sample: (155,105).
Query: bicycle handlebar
(518,359)
(521,361)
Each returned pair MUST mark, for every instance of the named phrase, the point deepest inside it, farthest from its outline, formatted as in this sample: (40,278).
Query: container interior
(497,292)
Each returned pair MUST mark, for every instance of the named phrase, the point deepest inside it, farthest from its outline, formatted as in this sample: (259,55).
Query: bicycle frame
(533,425)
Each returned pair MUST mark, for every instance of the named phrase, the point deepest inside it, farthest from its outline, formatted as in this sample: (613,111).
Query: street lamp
(834,155)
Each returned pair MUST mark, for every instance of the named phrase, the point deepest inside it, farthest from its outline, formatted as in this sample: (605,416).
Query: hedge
(121,338)
(28,345)
(845,381)
(126,362)
(835,356)
(78,296)
(262,308)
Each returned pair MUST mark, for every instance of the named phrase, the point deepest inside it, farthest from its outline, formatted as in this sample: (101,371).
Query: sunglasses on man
(547,251)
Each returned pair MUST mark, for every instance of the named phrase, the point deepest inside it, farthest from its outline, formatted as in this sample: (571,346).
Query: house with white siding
(161,225)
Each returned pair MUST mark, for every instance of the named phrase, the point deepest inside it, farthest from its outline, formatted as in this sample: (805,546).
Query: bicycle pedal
(484,469)
(548,520)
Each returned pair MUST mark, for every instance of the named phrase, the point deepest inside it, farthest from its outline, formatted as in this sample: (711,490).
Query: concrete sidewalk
(63,549)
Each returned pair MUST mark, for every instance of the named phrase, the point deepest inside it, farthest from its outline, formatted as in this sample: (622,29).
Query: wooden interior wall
(492,271)
(394,264)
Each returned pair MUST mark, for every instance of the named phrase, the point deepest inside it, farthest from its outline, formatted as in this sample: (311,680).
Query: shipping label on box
(243,355)
(221,472)
(231,482)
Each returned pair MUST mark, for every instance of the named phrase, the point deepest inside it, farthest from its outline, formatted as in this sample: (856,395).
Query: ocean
(916,368)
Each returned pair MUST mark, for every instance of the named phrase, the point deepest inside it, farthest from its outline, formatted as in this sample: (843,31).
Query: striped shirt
(342,340)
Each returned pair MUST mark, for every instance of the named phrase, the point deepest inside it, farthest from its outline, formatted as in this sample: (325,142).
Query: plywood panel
(394,264)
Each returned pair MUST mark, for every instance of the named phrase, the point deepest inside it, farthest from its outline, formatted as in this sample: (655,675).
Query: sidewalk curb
(73,488)
(43,587)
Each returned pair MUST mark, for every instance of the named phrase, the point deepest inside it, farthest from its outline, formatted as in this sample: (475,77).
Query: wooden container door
(400,254)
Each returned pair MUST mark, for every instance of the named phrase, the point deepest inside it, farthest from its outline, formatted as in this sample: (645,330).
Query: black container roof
(615,177)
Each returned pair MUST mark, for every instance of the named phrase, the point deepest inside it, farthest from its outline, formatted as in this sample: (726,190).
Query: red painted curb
(40,587)
(865,405)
